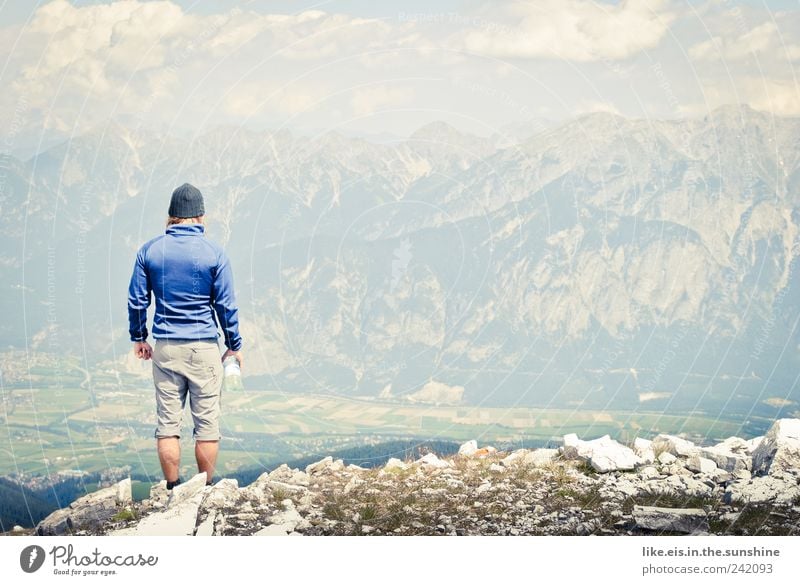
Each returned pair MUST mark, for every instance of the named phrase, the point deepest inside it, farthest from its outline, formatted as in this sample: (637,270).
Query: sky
(385,68)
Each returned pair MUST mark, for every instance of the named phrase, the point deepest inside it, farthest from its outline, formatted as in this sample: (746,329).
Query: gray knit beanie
(187,201)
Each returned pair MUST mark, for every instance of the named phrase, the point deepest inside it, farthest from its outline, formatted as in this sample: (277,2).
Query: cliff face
(667,485)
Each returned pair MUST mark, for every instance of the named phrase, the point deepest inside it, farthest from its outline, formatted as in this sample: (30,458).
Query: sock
(172,484)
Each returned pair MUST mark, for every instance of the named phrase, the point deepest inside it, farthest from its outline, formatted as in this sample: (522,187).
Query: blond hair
(173,220)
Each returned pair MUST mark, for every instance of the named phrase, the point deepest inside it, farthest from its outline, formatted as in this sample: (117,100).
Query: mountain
(19,506)
(600,263)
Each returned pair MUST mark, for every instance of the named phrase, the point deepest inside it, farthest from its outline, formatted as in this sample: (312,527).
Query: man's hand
(236,354)
(142,350)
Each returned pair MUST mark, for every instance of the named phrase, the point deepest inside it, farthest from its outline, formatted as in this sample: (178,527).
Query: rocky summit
(665,485)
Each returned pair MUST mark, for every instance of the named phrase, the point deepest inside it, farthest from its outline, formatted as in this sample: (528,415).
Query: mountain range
(602,262)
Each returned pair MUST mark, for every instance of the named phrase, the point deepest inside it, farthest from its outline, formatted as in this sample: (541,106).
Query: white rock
(319,466)
(779,451)
(728,455)
(284,522)
(432,460)
(762,490)
(539,457)
(604,454)
(188,490)
(667,458)
(649,472)
(395,463)
(206,527)
(753,443)
(700,464)
(735,445)
(686,520)
(535,457)
(626,487)
(468,448)
(286,474)
(644,449)
(91,510)
(222,494)
(721,476)
(515,455)
(178,519)
(675,445)
(677,468)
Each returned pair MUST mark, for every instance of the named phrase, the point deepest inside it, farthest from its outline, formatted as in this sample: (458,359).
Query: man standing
(192,281)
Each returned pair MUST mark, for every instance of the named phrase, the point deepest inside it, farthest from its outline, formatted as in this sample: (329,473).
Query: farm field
(48,430)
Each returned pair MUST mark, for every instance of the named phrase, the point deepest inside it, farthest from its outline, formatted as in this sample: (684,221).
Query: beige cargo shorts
(190,368)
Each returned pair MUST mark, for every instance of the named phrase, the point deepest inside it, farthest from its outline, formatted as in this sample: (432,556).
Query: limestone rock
(285,474)
(667,458)
(90,511)
(700,464)
(674,445)
(432,460)
(604,454)
(176,520)
(468,448)
(759,490)
(644,449)
(726,458)
(780,448)
(325,465)
(686,520)
(187,491)
(534,457)
(285,522)
(395,463)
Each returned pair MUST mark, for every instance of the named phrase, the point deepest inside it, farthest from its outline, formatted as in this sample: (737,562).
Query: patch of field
(69,428)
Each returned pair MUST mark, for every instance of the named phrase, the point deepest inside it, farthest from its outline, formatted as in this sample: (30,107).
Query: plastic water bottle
(233,373)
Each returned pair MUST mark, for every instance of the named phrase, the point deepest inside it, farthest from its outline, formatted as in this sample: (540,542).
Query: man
(192,281)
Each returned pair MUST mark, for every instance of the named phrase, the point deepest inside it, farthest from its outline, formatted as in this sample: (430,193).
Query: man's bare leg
(169,454)
(206,454)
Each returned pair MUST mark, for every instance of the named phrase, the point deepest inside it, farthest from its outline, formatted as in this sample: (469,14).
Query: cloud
(367,100)
(769,95)
(763,40)
(565,29)
(124,56)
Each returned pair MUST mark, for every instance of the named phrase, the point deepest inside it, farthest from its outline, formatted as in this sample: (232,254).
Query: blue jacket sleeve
(225,303)
(138,299)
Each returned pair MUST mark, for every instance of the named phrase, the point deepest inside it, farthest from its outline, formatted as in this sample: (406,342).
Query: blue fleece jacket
(192,280)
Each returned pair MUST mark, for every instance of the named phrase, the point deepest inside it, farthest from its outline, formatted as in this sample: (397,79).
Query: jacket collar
(186,229)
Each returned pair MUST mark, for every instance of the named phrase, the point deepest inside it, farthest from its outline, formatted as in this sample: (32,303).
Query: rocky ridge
(667,485)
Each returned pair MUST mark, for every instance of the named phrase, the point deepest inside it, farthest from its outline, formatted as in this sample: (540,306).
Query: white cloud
(367,100)
(124,55)
(764,40)
(565,29)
